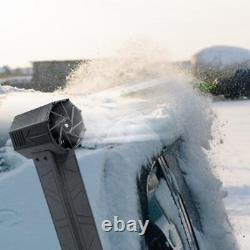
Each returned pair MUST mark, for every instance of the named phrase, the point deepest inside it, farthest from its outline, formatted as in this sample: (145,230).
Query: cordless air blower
(49,135)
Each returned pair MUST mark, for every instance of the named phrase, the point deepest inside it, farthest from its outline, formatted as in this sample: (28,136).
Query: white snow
(126,125)
(9,89)
(232,161)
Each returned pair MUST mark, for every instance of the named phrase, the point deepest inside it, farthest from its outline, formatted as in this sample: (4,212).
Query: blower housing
(49,135)
(57,127)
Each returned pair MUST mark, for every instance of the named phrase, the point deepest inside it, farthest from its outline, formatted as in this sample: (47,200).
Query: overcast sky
(75,29)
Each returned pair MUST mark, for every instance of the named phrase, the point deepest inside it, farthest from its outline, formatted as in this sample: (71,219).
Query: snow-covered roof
(222,56)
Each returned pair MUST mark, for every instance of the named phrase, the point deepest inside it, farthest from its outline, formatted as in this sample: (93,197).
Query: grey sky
(60,29)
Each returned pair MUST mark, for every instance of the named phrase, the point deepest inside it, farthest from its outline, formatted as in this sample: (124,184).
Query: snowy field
(232,158)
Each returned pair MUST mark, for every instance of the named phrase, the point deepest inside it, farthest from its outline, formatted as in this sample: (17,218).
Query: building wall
(51,75)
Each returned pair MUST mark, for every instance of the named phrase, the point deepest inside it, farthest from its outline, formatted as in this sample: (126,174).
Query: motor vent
(18,139)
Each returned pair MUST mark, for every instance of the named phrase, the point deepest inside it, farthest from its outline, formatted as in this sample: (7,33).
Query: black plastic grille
(18,139)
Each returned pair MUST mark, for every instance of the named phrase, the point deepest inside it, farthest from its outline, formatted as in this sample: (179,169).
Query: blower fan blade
(66,124)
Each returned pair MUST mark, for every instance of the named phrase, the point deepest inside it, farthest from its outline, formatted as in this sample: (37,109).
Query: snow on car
(159,129)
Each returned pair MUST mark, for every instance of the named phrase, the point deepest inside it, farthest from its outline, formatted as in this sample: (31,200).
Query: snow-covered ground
(232,160)
(16,79)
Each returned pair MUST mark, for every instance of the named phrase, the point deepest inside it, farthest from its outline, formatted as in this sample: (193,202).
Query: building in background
(51,75)
(44,76)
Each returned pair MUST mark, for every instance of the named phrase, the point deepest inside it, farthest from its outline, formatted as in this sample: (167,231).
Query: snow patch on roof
(222,56)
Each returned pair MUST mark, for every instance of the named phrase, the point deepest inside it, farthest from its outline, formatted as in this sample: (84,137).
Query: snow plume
(137,128)
(134,62)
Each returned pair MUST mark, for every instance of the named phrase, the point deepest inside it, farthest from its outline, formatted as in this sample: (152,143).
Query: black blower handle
(67,200)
